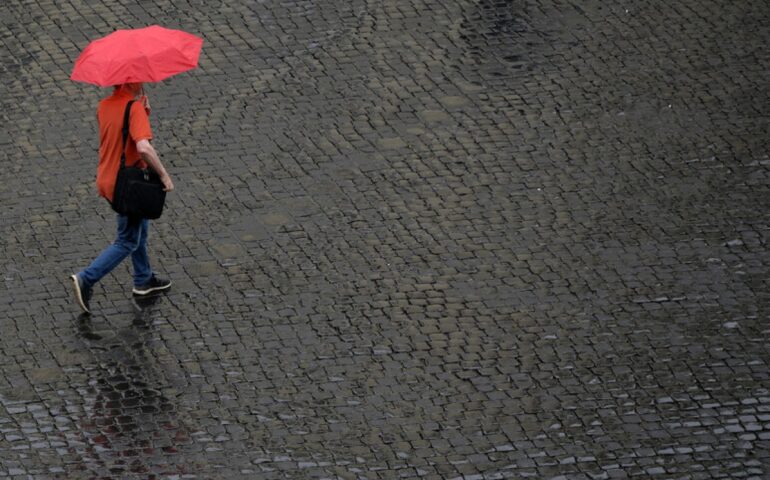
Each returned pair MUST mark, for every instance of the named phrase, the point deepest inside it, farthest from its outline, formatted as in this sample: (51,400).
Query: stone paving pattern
(441,239)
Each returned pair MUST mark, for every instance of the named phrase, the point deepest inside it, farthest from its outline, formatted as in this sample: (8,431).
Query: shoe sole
(150,290)
(79,294)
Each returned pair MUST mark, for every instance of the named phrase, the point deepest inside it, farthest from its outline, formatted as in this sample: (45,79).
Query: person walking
(132,232)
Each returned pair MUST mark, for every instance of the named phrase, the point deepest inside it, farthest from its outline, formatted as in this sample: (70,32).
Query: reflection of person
(131,426)
(132,232)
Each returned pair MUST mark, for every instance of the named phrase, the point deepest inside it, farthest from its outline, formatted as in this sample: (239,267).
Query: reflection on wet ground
(130,426)
(500,43)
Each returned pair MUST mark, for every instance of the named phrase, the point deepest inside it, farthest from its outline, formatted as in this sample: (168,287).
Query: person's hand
(145,103)
(168,185)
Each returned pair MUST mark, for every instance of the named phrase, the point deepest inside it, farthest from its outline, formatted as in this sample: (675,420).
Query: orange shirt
(110,116)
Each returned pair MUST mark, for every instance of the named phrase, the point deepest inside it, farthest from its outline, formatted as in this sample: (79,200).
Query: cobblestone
(430,239)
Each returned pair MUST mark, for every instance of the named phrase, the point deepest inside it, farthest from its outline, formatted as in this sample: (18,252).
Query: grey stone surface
(417,239)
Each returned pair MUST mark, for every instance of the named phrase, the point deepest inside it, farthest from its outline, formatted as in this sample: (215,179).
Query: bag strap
(126,120)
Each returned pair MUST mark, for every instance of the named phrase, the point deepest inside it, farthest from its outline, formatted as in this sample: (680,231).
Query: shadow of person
(132,427)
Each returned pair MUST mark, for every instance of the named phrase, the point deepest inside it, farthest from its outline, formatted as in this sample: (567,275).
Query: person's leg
(145,280)
(127,241)
(139,257)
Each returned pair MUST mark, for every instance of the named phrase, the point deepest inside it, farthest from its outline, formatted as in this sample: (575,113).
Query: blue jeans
(132,240)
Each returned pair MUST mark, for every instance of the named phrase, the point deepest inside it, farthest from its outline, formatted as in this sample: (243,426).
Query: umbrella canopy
(148,54)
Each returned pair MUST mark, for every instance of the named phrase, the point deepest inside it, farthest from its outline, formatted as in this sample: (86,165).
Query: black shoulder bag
(138,191)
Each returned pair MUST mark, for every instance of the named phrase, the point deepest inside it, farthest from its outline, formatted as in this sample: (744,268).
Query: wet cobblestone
(420,239)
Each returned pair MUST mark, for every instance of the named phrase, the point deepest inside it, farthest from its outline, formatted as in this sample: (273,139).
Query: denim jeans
(132,240)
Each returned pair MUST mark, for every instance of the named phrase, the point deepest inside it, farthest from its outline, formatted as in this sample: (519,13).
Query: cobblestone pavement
(443,239)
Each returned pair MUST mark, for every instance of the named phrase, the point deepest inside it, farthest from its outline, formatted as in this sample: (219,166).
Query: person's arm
(150,156)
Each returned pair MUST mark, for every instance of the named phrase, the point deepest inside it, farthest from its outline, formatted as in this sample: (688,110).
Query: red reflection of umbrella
(148,54)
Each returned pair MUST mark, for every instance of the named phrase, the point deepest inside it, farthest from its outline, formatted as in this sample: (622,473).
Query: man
(132,232)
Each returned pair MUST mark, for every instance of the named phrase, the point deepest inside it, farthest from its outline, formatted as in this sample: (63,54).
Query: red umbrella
(148,54)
